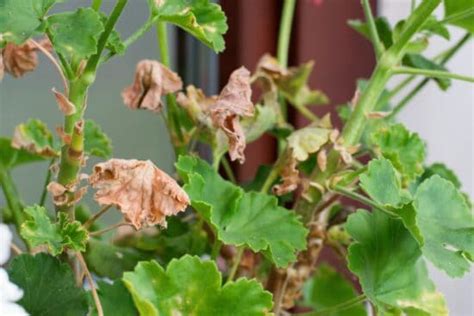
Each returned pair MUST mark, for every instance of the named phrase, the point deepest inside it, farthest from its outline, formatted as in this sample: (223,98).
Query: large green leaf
(190,286)
(443,171)
(404,149)
(115,299)
(240,218)
(96,142)
(382,183)
(49,286)
(20,18)
(327,288)
(75,34)
(387,260)
(421,62)
(11,157)
(446,224)
(203,19)
(463,9)
(39,230)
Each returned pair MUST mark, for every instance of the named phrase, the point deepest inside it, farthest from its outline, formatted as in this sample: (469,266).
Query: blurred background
(443,119)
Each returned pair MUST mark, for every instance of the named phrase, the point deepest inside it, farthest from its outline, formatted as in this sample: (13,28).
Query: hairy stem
(94,217)
(431,73)
(374,34)
(107,229)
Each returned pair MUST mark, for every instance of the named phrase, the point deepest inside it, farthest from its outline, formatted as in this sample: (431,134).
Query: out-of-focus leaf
(263,120)
(308,140)
(420,62)
(35,137)
(115,299)
(433,26)
(11,157)
(252,219)
(463,10)
(443,171)
(114,43)
(383,28)
(96,142)
(49,286)
(190,286)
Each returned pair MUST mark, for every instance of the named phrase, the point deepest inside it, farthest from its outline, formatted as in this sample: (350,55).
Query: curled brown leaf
(144,193)
(152,81)
(196,103)
(290,177)
(234,102)
(20,59)
(66,106)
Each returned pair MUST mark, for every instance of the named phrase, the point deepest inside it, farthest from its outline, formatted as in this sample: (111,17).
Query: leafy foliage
(75,34)
(115,299)
(387,260)
(96,143)
(40,230)
(49,286)
(190,286)
(327,289)
(421,62)
(203,19)
(465,8)
(443,171)
(12,157)
(240,218)
(35,137)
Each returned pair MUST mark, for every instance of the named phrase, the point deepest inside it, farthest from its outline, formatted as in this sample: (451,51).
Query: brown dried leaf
(289,175)
(234,102)
(270,66)
(152,81)
(144,193)
(20,59)
(66,106)
(196,103)
(58,192)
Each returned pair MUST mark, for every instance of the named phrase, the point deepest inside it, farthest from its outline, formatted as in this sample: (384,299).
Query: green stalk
(374,34)
(46,182)
(11,195)
(285,32)
(431,73)
(235,265)
(446,57)
(96,4)
(173,120)
(228,170)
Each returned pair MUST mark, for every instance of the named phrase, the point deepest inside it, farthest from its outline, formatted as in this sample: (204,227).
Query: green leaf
(114,43)
(75,34)
(387,260)
(446,224)
(443,171)
(405,150)
(190,286)
(35,137)
(327,288)
(294,87)
(49,286)
(111,261)
(263,120)
(96,143)
(115,299)
(240,218)
(201,18)
(420,62)
(19,19)
(11,157)
(457,8)
(382,183)
(383,28)
(433,26)
(307,140)
(39,230)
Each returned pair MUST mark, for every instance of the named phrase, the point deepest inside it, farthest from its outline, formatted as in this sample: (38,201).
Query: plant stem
(284,35)
(216,248)
(228,170)
(274,173)
(46,182)
(338,308)
(11,196)
(360,198)
(95,296)
(94,217)
(107,229)
(374,34)
(444,59)
(235,265)
(173,120)
(306,112)
(431,73)
(96,4)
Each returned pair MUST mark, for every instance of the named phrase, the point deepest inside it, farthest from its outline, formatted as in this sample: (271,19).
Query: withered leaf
(20,59)
(234,102)
(196,103)
(66,106)
(144,193)
(152,81)
(290,177)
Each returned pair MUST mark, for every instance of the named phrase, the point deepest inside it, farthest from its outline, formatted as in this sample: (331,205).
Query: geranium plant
(197,242)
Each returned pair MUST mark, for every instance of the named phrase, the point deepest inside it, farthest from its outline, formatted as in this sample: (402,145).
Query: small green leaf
(201,18)
(75,34)
(252,219)
(443,171)
(458,8)
(96,143)
(35,137)
(11,157)
(382,183)
(39,230)
(111,261)
(115,299)
(307,140)
(190,286)
(19,19)
(327,288)
(420,62)
(405,150)
(387,260)
(433,26)
(255,126)
(114,43)
(294,87)
(49,286)
(446,224)
(383,28)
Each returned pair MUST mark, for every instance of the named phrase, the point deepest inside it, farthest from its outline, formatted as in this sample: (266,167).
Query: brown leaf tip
(152,81)
(144,193)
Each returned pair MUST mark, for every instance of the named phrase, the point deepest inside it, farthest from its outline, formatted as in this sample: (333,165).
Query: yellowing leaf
(307,140)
